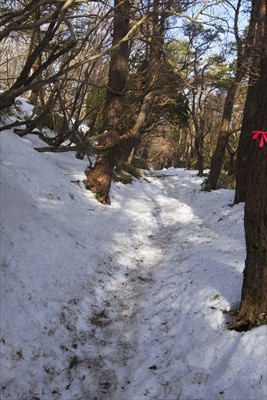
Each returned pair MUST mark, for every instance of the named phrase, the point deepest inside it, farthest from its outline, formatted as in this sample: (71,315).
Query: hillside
(120,302)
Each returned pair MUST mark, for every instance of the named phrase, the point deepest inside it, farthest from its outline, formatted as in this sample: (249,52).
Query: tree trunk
(244,52)
(99,178)
(242,162)
(35,41)
(154,82)
(243,150)
(218,155)
(231,166)
(253,308)
(130,142)
(199,144)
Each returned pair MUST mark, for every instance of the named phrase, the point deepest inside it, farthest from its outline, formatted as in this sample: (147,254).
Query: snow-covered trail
(149,300)
(124,308)
(120,302)
(145,328)
(167,333)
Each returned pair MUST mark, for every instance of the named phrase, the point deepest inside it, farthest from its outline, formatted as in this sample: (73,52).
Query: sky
(219,16)
(120,302)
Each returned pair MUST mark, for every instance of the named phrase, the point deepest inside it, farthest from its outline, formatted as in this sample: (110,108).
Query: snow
(120,302)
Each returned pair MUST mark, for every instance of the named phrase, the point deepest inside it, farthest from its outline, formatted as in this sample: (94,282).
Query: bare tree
(58,32)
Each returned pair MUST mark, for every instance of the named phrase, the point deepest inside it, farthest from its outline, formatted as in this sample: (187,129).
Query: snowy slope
(120,302)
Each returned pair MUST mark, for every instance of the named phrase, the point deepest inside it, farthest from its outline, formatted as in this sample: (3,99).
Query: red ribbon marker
(263,135)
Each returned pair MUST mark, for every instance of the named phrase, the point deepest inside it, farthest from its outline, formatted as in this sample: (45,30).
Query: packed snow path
(120,302)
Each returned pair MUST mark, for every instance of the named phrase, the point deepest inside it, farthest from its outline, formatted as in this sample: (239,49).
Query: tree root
(242,325)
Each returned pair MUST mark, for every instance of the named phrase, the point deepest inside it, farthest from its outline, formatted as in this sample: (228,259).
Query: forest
(170,93)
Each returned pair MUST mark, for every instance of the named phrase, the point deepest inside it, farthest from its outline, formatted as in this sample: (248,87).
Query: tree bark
(253,308)
(244,52)
(243,150)
(98,179)
(242,162)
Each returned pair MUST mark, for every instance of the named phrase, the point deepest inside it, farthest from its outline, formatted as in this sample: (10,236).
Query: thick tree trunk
(98,179)
(243,150)
(242,162)
(253,308)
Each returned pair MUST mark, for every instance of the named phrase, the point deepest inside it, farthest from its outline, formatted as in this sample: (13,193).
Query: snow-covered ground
(120,302)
